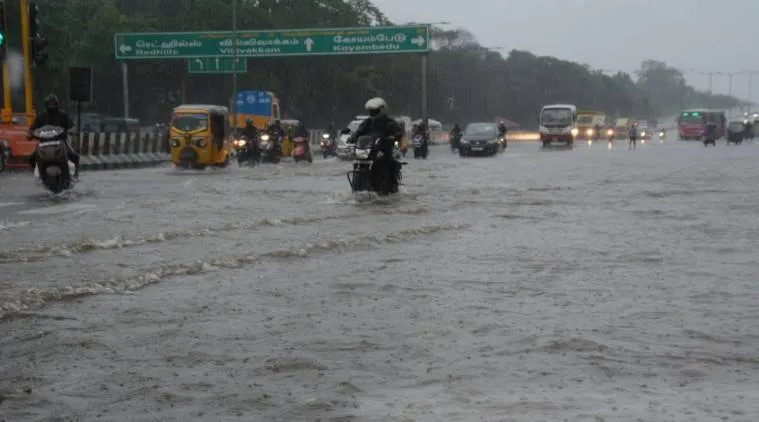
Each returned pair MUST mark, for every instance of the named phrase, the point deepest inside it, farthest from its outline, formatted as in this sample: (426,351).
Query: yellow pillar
(27,47)
(7,110)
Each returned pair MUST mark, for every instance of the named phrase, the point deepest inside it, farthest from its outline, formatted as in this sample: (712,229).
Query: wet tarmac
(587,285)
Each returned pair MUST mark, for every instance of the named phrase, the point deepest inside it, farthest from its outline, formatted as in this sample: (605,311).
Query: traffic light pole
(27,47)
(7,109)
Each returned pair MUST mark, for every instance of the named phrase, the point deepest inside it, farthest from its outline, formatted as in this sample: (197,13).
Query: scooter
(326,146)
(301,151)
(52,166)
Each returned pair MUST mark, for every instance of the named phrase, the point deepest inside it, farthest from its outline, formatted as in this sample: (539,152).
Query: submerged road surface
(583,285)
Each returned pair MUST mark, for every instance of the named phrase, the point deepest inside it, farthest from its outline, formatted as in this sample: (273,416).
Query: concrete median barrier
(108,151)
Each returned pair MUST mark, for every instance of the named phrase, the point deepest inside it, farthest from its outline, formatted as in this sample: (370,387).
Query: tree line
(466,81)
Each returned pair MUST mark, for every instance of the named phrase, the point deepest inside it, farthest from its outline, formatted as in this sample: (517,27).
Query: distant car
(480,139)
(736,131)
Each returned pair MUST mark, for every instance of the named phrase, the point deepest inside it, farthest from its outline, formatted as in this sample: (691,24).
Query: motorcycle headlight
(362,153)
(464,141)
(643,134)
(264,138)
(574,131)
(325,136)
(241,142)
(175,143)
(397,145)
(589,132)
(610,132)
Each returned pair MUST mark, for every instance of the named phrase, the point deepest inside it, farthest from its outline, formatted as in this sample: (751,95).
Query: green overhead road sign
(275,43)
(216,65)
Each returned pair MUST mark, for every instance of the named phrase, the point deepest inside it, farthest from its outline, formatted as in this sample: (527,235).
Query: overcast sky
(611,34)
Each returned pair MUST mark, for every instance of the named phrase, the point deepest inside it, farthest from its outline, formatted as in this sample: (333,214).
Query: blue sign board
(257,103)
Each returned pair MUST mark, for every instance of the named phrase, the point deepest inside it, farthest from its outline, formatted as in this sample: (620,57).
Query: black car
(736,132)
(480,139)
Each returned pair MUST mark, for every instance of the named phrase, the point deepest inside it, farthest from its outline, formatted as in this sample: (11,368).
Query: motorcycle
(709,139)
(269,152)
(370,170)
(326,146)
(661,136)
(246,151)
(5,154)
(52,166)
(421,150)
(503,142)
(301,151)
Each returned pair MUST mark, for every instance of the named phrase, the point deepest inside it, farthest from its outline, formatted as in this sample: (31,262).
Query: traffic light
(37,41)
(3,31)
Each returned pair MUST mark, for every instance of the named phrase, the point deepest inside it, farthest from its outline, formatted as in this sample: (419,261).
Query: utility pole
(751,74)
(7,108)
(234,64)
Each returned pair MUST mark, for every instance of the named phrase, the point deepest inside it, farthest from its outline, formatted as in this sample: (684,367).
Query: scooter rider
(54,116)
(302,132)
(380,124)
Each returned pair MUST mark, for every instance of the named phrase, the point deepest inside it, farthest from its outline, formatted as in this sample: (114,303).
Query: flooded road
(585,285)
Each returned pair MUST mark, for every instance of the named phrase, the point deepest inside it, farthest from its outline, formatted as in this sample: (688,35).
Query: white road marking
(10,204)
(59,209)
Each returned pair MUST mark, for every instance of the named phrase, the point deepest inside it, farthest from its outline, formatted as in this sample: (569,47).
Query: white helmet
(376,107)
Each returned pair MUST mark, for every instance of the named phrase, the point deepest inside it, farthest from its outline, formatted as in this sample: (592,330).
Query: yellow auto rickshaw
(199,136)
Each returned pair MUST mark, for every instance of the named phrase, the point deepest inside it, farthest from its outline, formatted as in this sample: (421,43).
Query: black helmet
(52,101)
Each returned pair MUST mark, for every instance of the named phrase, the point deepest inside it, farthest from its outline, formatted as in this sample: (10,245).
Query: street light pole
(486,98)
(425,57)
(234,64)
(730,83)
(751,74)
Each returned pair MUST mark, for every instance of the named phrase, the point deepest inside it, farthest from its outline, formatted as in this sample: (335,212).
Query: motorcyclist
(597,130)
(277,133)
(748,129)
(250,131)
(380,124)
(502,129)
(455,136)
(332,133)
(633,135)
(420,129)
(54,116)
(710,131)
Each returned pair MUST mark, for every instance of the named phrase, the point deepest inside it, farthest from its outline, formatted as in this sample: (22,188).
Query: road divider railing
(106,151)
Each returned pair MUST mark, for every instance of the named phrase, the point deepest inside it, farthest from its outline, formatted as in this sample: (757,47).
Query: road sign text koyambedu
(288,42)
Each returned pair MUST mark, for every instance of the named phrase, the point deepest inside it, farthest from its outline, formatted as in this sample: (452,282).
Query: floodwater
(586,285)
